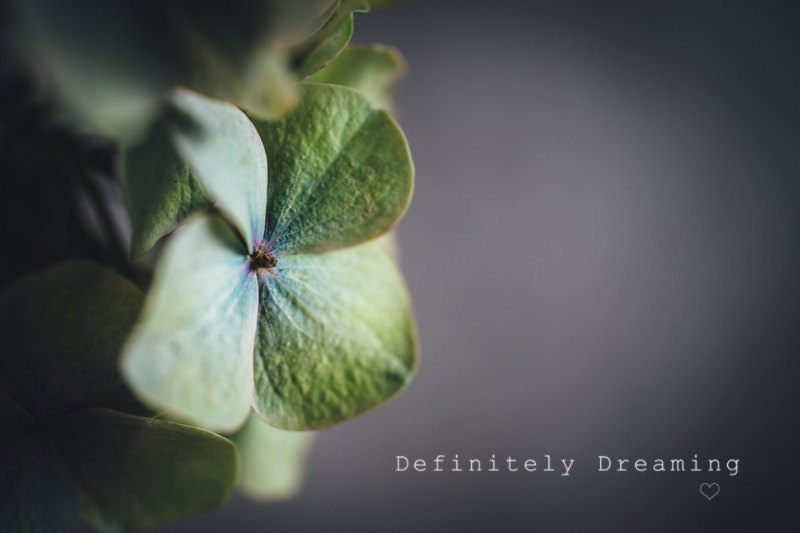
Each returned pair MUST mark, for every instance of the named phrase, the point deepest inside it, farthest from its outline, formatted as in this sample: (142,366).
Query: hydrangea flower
(275,298)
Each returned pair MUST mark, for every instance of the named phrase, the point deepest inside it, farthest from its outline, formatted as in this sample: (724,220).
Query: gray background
(602,252)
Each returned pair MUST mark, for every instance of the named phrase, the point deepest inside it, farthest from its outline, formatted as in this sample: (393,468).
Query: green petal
(226,157)
(336,337)
(110,62)
(192,350)
(315,52)
(158,188)
(273,460)
(340,172)
(374,70)
(133,472)
(61,331)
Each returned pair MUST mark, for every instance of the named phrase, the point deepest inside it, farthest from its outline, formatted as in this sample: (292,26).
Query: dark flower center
(262,259)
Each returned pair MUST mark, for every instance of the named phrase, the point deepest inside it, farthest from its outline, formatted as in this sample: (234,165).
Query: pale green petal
(373,70)
(225,155)
(336,337)
(273,460)
(340,172)
(133,472)
(192,350)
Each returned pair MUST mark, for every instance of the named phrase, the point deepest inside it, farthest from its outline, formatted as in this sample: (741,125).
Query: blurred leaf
(238,51)
(374,70)
(60,332)
(192,352)
(336,337)
(340,172)
(233,29)
(273,460)
(133,472)
(60,445)
(109,62)
(314,53)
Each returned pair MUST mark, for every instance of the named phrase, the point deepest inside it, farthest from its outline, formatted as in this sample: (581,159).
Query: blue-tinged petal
(192,350)
(226,157)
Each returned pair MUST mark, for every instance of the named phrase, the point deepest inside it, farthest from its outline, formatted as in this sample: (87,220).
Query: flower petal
(226,157)
(192,351)
(273,460)
(340,172)
(336,337)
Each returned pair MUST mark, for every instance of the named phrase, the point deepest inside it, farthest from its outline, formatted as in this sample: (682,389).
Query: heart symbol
(709,490)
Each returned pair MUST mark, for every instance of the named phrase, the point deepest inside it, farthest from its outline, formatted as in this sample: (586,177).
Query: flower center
(262,259)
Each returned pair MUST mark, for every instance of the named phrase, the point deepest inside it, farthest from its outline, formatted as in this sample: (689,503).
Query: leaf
(373,70)
(316,51)
(239,52)
(191,352)
(336,337)
(110,62)
(60,333)
(133,472)
(273,460)
(225,155)
(158,189)
(60,445)
(232,30)
(340,172)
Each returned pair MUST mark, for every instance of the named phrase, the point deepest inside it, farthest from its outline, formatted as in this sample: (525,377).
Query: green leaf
(233,30)
(191,352)
(60,333)
(225,155)
(336,337)
(239,52)
(374,70)
(110,62)
(133,472)
(273,460)
(340,172)
(158,189)
(60,446)
(315,52)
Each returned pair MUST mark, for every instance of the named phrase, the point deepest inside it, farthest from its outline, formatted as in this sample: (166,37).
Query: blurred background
(602,252)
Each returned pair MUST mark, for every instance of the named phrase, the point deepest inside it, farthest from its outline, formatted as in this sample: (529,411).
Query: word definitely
(509,464)
(441,463)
